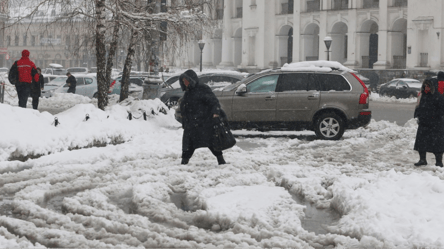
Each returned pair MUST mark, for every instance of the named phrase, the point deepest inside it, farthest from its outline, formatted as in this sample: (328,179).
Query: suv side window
(264,84)
(333,83)
(293,82)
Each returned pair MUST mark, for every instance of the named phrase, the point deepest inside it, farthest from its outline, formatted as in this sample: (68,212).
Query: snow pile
(317,66)
(36,133)
(136,194)
(379,98)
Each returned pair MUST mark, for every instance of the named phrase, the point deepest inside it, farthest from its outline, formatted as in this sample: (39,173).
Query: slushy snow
(113,182)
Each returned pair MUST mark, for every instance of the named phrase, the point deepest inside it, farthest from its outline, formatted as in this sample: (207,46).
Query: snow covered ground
(111,182)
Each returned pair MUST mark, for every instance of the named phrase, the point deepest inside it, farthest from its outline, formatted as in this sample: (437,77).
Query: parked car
(135,87)
(49,77)
(54,69)
(365,80)
(78,70)
(401,88)
(4,70)
(325,102)
(86,86)
(171,91)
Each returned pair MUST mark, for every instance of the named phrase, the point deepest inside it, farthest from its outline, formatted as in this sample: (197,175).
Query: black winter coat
(72,84)
(37,86)
(197,108)
(430,114)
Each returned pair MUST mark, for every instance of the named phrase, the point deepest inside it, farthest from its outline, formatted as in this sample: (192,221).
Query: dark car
(401,88)
(171,91)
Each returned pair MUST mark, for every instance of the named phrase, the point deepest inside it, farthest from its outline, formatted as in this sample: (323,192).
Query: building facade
(367,34)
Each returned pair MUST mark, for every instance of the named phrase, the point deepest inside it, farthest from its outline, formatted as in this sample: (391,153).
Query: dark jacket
(430,112)
(72,84)
(26,69)
(37,86)
(197,108)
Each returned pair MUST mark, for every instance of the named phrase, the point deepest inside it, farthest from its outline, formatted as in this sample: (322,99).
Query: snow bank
(29,132)
(137,194)
(378,98)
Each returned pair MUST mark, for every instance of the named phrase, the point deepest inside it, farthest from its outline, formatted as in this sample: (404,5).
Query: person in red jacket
(441,82)
(26,71)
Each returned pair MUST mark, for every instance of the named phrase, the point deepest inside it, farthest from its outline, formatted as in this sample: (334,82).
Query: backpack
(13,75)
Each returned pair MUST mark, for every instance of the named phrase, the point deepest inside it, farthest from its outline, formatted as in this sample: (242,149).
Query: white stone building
(378,34)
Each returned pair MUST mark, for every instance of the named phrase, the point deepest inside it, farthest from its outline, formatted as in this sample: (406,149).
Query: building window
(25,40)
(33,40)
(16,41)
(8,40)
(313,5)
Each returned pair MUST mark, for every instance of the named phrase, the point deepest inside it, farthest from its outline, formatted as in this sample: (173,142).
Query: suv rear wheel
(329,126)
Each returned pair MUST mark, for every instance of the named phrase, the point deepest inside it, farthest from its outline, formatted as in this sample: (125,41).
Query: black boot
(220,160)
(422,159)
(439,160)
(185,161)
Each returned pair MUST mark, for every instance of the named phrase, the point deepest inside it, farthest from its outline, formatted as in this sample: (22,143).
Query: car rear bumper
(364,117)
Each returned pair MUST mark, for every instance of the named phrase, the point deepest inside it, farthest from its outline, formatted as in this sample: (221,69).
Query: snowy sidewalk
(136,194)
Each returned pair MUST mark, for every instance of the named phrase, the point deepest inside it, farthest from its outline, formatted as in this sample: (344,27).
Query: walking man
(72,82)
(21,74)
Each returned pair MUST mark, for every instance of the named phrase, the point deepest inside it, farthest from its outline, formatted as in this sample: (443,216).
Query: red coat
(441,87)
(26,69)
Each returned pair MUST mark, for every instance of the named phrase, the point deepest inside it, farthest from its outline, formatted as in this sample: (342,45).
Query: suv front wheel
(329,126)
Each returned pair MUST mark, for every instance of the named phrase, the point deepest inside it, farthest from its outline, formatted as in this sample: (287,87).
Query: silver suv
(326,102)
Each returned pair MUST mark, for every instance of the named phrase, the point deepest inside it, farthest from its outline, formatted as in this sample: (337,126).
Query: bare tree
(185,20)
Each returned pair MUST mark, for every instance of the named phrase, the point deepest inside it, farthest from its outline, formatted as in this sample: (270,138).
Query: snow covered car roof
(315,66)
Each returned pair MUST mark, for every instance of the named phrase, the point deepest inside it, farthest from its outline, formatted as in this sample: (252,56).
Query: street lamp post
(327,41)
(201,46)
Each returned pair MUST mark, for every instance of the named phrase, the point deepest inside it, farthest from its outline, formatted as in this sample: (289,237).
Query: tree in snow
(106,21)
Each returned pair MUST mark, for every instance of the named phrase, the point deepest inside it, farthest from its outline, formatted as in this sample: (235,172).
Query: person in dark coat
(199,108)
(72,82)
(36,89)
(429,113)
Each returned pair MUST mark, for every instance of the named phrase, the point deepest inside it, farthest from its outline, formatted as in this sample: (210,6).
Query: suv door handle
(314,96)
(272,97)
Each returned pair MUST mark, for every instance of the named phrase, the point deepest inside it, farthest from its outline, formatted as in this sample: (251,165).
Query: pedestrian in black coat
(199,108)
(430,116)
(36,89)
(72,82)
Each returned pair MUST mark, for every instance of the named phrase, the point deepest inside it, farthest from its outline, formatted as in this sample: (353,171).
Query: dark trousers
(422,156)
(23,91)
(71,90)
(189,153)
(35,102)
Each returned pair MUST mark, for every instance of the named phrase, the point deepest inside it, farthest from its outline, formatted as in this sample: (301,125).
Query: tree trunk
(128,65)
(101,54)
(112,52)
